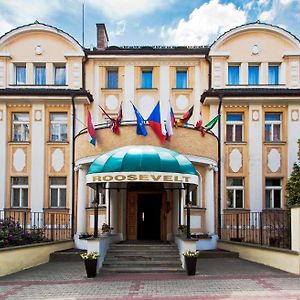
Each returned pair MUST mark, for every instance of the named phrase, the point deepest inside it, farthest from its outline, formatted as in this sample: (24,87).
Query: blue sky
(151,22)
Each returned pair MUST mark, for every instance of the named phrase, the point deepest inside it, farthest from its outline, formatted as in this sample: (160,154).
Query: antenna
(83,25)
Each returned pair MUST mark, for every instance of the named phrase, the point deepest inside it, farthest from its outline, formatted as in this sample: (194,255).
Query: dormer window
(253,74)
(233,74)
(40,75)
(273,74)
(60,75)
(20,74)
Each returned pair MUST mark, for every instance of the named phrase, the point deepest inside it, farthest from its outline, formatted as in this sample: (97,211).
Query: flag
(169,124)
(91,129)
(140,122)
(155,122)
(212,123)
(184,119)
(116,122)
(199,126)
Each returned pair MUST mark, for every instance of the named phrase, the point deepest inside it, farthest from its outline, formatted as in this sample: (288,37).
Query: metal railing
(51,226)
(270,228)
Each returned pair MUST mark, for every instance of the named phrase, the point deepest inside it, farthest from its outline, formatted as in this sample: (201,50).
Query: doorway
(149,216)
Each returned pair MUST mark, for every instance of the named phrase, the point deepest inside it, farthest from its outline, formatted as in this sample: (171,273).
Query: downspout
(73,165)
(219,166)
(84,61)
(209,70)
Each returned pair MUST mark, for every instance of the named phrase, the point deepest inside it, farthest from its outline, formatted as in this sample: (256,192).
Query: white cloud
(118,9)
(204,23)
(150,30)
(278,6)
(119,29)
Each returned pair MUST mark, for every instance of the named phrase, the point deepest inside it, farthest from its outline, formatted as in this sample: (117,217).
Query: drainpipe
(209,70)
(219,166)
(73,165)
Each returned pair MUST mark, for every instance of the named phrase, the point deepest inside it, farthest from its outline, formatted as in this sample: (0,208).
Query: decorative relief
(19,160)
(111,102)
(294,73)
(217,74)
(295,115)
(2,75)
(57,160)
(76,74)
(255,50)
(274,160)
(235,160)
(255,115)
(38,50)
(181,102)
(145,105)
(38,115)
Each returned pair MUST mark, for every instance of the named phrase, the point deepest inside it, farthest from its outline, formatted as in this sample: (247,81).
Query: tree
(293,184)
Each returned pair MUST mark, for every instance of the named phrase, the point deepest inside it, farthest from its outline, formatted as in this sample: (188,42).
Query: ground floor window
(19,191)
(235,192)
(273,193)
(92,196)
(58,192)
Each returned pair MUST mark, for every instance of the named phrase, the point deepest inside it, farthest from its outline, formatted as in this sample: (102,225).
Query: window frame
(44,81)
(57,187)
(60,66)
(258,75)
(180,70)
(234,124)
(234,188)
(145,71)
(108,85)
(272,188)
(196,193)
(233,65)
(278,73)
(17,66)
(22,123)
(20,187)
(92,195)
(60,123)
(272,123)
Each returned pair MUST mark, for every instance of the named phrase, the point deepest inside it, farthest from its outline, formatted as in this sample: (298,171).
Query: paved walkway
(221,278)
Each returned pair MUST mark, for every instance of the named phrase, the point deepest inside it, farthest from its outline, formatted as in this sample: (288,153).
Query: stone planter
(91,267)
(190,265)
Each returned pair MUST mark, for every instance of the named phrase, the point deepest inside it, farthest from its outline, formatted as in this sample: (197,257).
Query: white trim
(145,176)
(144,56)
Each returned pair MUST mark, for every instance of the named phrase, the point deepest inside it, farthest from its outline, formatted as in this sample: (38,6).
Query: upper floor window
(112,78)
(181,79)
(273,75)
(273,193)
(235,192)
(273,127)
(146,82)
(20,127)
(19,191)
(233,74)
(60,75)
(40,75)
(58,127)
(234,127)
(253,75)
(20,74)
(58,191)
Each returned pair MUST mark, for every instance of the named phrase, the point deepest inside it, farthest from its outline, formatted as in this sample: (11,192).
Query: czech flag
(155,123)
(91,129)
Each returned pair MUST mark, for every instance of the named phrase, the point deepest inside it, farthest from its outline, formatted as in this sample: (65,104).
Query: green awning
(142,163)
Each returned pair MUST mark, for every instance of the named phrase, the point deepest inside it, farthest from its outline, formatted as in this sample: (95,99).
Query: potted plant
(106,229)
(190,260)
(90,262)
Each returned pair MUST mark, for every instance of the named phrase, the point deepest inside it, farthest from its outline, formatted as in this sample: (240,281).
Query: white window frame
(279,71)
(235,188)
(59,124)
(234,124)
(147,69)
(272,188)
(272,123)
(21,187)
(22,123)
(20,65)
(56,66)
(59,187)
(187,77)
(92,196)
(198,192)
(234,65)
(42,65)
(259,74)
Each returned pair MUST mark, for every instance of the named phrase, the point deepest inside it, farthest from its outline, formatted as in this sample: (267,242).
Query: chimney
(102,37)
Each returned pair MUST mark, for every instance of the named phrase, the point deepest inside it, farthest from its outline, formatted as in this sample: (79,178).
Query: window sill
(57,143)
(18,143)
(147,89)
(272,209)
(275,143)
(111,89)
(56,209)
(19,209)
(235,143)
(182,89)
(236,210)
(198,208)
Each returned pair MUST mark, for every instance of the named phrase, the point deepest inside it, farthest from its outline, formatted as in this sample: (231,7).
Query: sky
(150,22)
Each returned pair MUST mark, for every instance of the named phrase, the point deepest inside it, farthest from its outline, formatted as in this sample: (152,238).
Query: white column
(164,91)
(81,200)
(209,201)
(37,158)
(114,198)
(128,112)
(3,147)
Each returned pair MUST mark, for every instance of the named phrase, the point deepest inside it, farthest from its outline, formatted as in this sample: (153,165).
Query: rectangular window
(235,192)
(60,75)
(234,75)
(40,75)
(234,127)
(19,191)
(112,79)
(273,127)
(20,75)
(58,127)
(146,79)
(58,191)
(181,79)
(273,193)
(253,75)
(273,75)
(93,197)
(20,127)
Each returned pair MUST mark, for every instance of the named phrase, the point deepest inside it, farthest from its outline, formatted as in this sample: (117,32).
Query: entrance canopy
(141,163)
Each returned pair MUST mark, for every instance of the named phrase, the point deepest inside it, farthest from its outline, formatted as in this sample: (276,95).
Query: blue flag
(140,122)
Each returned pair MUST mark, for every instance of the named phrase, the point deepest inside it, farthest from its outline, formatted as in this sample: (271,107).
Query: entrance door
(149,216)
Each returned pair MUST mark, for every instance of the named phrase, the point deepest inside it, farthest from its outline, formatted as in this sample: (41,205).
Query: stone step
(204,254)
(141,259)
(135,269)
(143,252)
(66,255)
(141,264)
(142,247)
(152,257)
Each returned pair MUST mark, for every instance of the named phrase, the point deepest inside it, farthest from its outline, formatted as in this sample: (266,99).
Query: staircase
(142,257)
